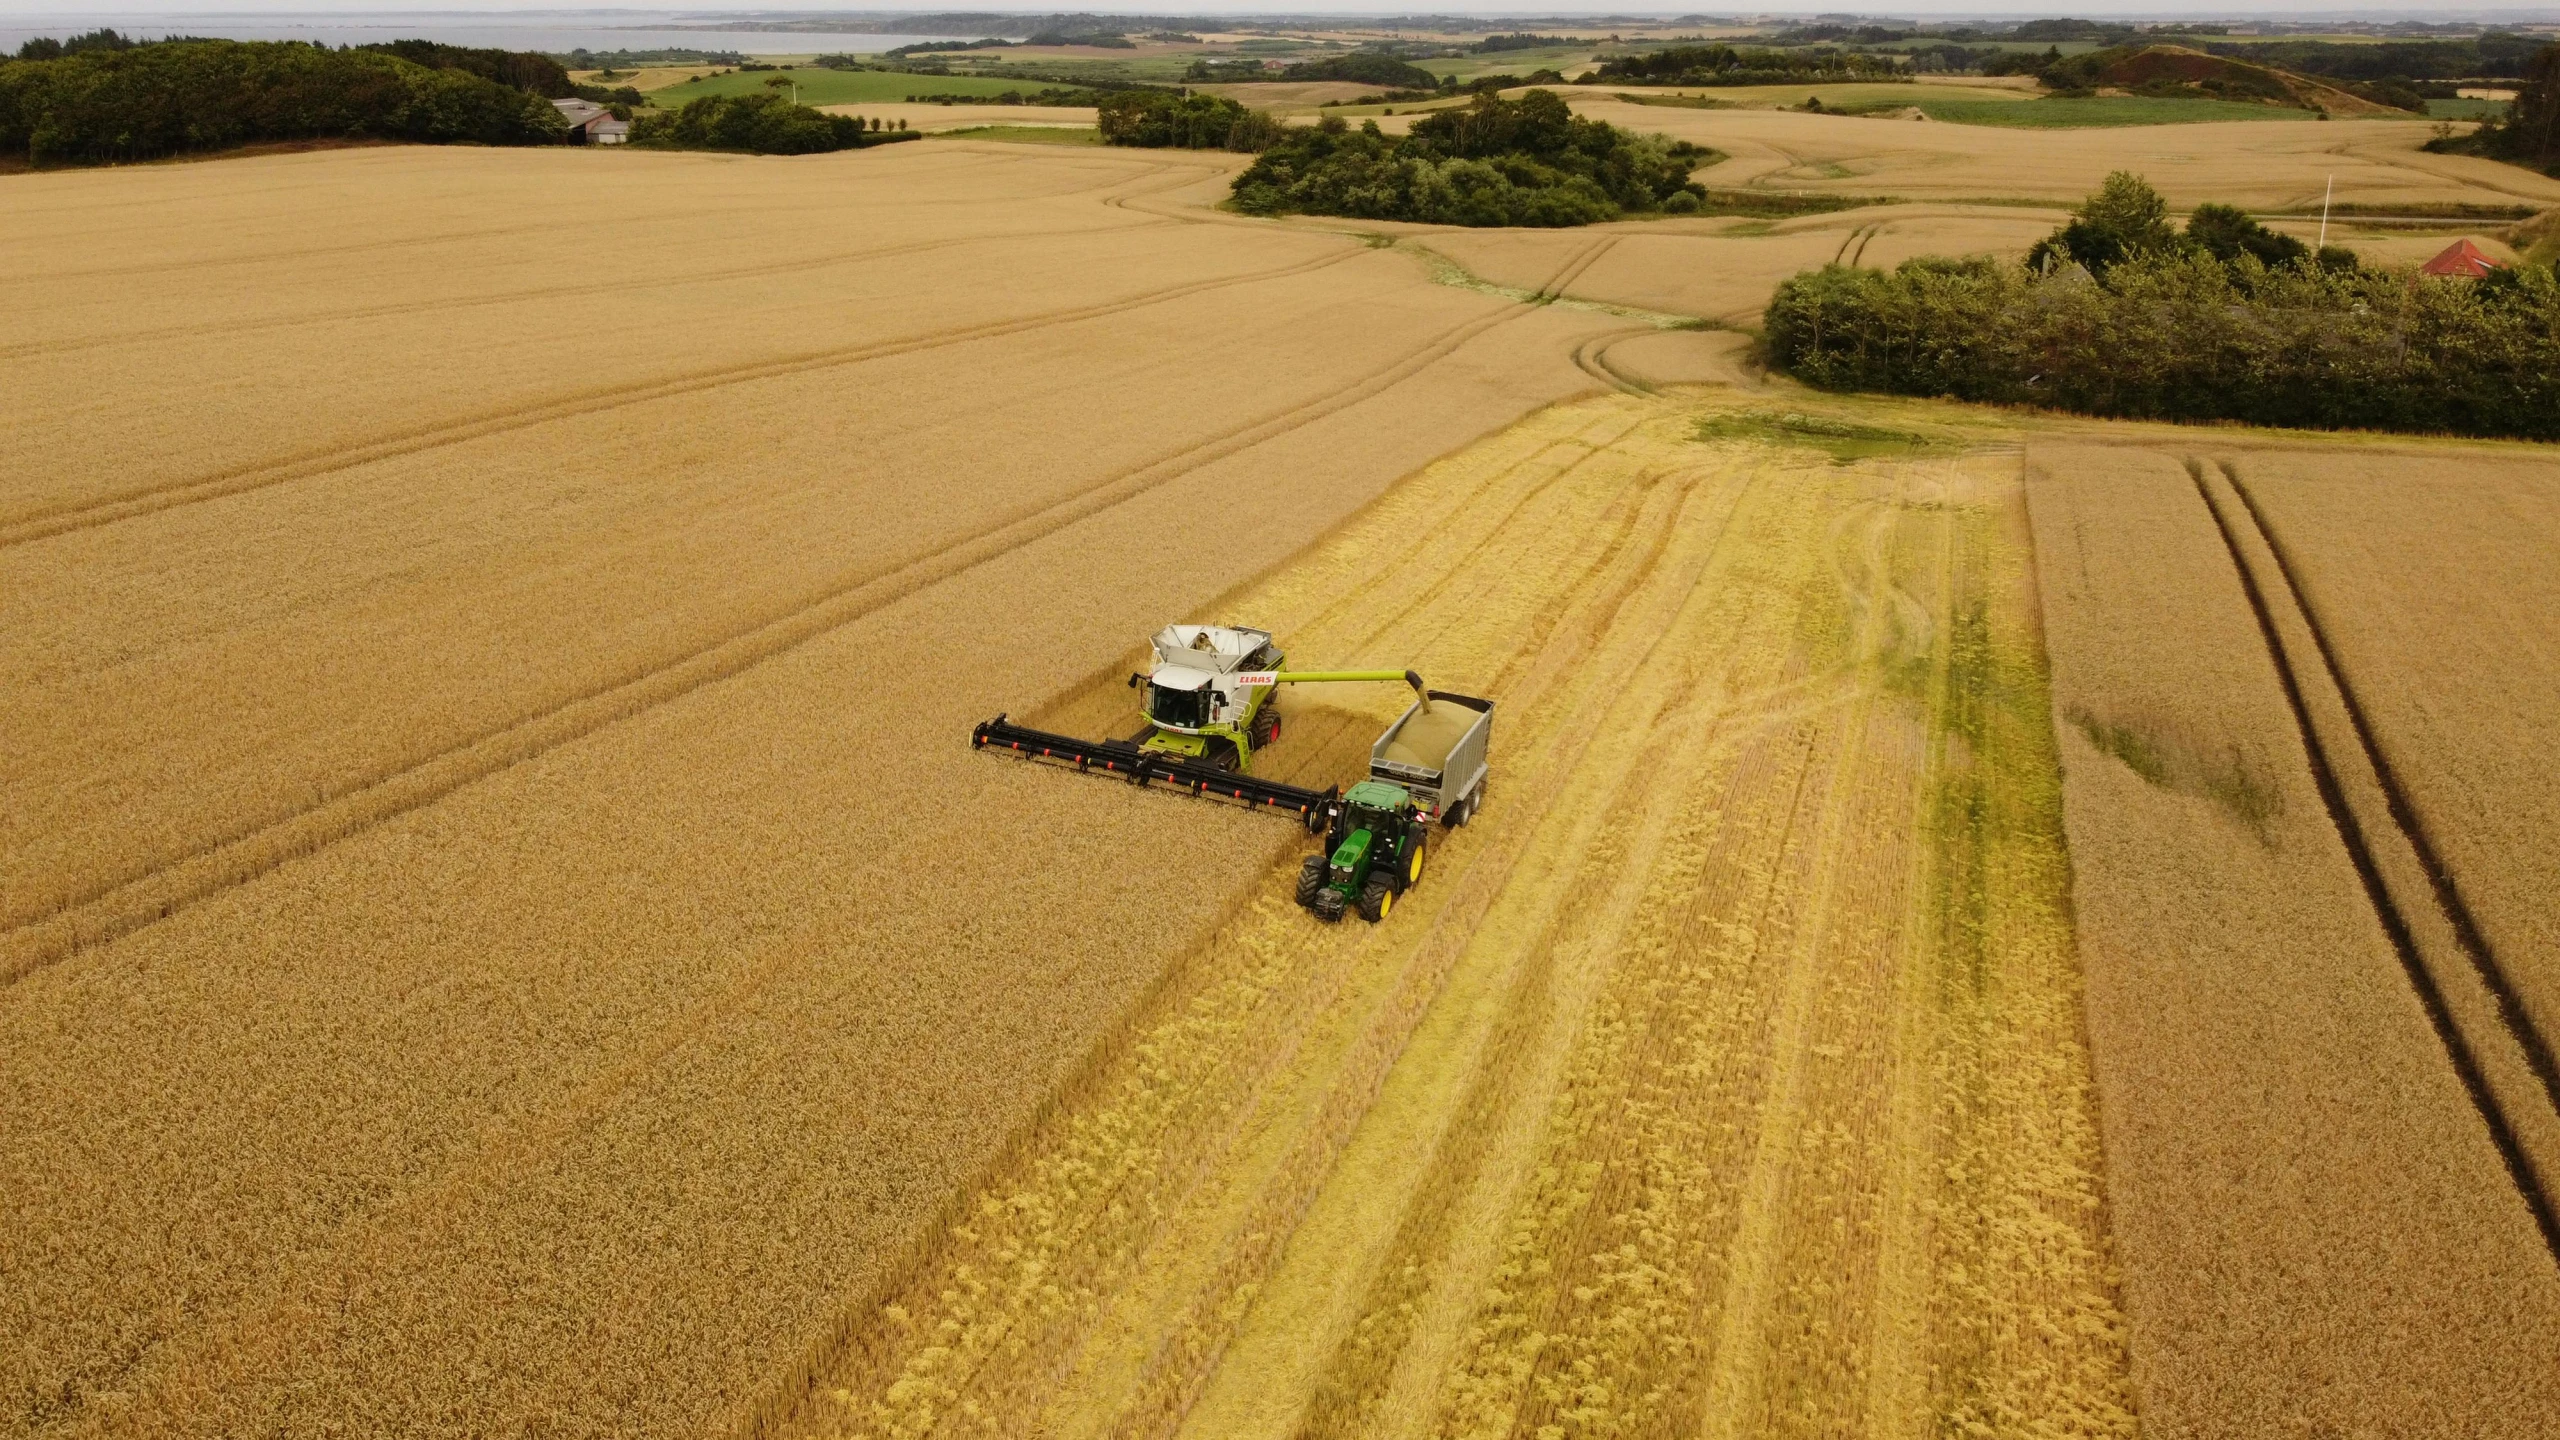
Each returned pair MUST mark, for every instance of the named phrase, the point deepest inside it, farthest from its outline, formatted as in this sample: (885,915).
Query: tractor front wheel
(1376,899)
(1310,879)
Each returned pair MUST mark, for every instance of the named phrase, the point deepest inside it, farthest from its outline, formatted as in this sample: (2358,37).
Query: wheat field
(1724,1074)
(2251,164)
(502,929)
(2305,1076)
(482,798)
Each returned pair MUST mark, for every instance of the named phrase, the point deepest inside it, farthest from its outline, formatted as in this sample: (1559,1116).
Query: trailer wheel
(1310,879)
(1328,906)
(1376,899)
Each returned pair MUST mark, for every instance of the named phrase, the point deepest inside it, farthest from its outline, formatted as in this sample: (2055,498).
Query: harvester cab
(1207,697)
(1373,853)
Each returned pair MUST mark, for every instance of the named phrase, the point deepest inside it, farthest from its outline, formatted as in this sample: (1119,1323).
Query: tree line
(2122,314)
(105,103)
(764,124)
(2529,132)
(1725,65)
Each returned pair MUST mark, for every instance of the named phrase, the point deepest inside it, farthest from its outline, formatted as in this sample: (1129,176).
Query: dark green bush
(102,106)
(2184,336)
(1529,161)
(765,124)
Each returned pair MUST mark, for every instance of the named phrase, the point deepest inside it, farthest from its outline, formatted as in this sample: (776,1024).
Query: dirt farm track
(1984,924)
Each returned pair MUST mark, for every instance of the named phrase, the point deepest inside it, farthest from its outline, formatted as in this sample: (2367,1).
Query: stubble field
(502,929)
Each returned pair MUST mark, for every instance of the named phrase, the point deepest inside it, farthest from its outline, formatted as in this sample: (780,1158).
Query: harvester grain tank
(1207,698)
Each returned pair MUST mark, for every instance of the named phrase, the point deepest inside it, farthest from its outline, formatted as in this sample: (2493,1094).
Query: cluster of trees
(1530,161)
(1162,120)
(2497,53)
(2200,325)
(2529,132)
(103,104)
(761,125)
(2127,220)
(1725,65)
(1364,67)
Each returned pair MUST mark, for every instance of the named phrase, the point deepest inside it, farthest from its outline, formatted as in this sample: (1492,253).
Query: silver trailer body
(1450,791)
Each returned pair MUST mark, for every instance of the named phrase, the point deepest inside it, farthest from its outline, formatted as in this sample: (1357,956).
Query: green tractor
(1373,853)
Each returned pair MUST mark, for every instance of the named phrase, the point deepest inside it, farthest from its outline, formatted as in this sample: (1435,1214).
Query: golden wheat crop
(2317,1225)
(495,865)
(502,929)
(1723,1074)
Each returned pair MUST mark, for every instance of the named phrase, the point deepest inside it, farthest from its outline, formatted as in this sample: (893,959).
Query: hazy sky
(2236,9)
(50,9)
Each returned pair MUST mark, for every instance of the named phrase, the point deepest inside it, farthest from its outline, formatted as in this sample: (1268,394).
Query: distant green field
(1025,134)
(1847,94)
(837,87)
(2057,113)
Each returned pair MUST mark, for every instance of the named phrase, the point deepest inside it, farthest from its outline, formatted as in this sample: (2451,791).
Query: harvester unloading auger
(1208,704)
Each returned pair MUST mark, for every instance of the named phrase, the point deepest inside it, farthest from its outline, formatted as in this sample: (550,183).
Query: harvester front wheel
(1328,906)
(1376,899)
(1310,880)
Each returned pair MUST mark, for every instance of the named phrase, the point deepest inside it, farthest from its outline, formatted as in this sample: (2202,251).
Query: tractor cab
(1373,852)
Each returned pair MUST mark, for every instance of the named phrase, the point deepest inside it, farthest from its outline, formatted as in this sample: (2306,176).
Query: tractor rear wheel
(1328,906)
(1376,899)
(1310,879)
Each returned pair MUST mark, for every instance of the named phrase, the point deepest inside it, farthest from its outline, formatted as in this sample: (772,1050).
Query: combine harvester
(1208,702)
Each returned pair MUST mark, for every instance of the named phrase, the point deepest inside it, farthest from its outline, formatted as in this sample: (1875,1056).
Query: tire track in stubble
(1175,1373)
(1582,260)
(132,901)
(45,523)
(1592,358)
(2460,1048)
